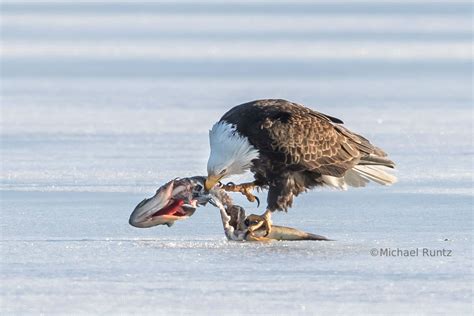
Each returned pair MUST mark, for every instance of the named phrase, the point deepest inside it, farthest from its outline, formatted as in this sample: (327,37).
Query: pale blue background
(102,103)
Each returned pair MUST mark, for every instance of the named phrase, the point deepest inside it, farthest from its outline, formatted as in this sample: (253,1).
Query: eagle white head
(231,153)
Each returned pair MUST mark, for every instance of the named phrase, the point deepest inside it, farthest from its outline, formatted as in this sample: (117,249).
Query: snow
(86,137)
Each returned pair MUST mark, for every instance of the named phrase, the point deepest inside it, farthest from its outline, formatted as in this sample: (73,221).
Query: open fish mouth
(176,200)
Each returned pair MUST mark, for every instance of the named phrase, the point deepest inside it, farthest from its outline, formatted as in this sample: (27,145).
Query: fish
(179,198)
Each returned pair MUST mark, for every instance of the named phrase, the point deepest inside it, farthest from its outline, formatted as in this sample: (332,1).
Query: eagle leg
(244,188)
(256,222)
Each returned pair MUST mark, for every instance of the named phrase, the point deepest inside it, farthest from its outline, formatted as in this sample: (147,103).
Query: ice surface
(101,104)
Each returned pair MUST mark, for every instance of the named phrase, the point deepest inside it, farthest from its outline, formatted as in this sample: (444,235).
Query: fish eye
(198,187)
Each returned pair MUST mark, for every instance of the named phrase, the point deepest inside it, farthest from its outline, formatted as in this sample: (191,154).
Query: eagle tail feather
(377,161)
(376,173)
(360,176)
(354,179)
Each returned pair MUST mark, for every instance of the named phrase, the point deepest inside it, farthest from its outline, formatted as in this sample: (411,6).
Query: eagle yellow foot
(259,226)
(244,188)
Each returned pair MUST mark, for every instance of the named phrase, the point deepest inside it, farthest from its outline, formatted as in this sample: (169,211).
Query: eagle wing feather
(315,142)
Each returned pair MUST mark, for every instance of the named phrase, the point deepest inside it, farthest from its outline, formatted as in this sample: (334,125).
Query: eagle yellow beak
(211,182)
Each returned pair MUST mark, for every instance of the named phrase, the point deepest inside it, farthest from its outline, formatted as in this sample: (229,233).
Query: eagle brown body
(300,148)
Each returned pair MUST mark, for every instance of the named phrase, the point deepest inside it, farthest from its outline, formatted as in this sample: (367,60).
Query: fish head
(176,200)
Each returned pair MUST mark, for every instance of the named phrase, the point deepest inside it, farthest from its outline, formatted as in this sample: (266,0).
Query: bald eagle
(290,148)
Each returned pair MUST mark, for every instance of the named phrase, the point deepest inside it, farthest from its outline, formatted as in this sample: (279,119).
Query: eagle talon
(245,189)
(258,200)
(257,222)
(251,236)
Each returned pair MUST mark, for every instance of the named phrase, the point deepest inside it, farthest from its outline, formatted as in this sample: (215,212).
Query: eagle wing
(313,141)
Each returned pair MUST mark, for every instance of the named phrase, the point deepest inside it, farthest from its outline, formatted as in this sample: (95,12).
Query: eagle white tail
(375,173)
(360,175)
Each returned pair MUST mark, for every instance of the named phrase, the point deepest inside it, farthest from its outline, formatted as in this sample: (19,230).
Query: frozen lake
(103,103)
